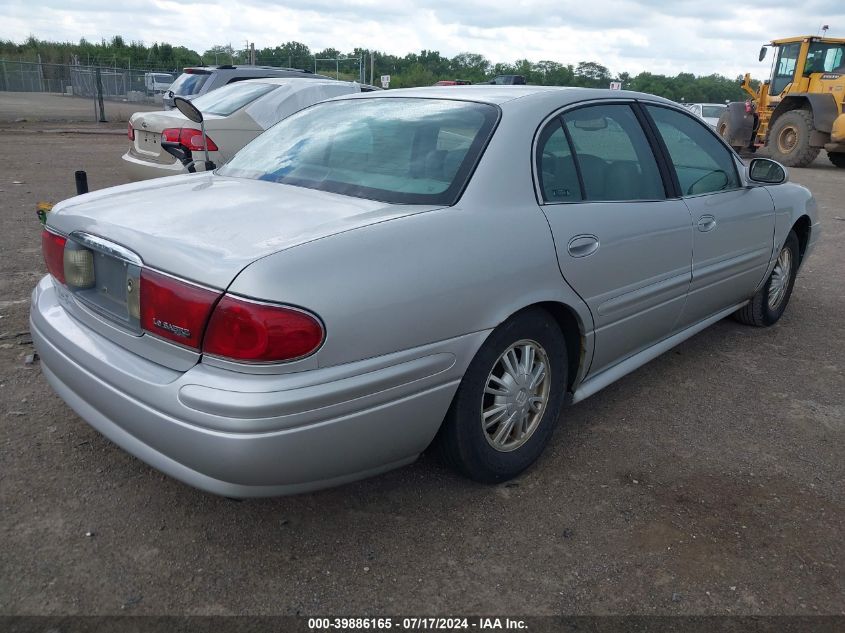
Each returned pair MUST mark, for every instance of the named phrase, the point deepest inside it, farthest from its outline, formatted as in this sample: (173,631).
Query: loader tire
(726,131)
(789,139)
(837,158)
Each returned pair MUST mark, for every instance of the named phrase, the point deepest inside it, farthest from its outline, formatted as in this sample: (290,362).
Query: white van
(156,83)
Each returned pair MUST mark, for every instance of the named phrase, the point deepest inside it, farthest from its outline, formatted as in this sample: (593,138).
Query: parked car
(507,80)
(381,271)
(453,82)
(710,112)
(157,83)
(198,80)
(234,115)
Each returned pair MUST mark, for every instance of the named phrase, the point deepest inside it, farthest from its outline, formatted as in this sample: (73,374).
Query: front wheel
(767,306)
(505,409)
(789,139)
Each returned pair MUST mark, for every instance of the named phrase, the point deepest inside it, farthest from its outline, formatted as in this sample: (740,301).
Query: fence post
(100,96)
(5,76)
(40,74)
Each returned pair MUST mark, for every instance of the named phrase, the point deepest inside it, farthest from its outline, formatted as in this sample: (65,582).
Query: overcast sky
(662,36)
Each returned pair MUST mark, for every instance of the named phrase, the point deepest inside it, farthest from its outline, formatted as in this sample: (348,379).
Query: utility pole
(372,68)
(252,53)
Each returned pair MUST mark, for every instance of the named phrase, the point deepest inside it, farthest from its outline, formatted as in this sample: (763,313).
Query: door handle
(583,245)
(706,223)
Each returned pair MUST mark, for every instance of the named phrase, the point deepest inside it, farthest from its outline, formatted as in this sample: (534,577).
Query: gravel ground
(23,107)
(708,482)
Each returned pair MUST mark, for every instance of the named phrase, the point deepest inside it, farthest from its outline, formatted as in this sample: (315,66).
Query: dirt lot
(34,106)
(709,482)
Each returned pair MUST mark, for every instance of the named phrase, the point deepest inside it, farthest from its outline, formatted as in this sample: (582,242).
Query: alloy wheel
(516,395)
(780,279)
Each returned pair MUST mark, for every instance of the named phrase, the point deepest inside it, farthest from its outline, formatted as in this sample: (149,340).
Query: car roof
(246,67)
(500,95)
(282,81)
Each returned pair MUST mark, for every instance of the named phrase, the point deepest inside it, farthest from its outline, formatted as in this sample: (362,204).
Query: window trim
(668,186)
(538,166)
(667,157)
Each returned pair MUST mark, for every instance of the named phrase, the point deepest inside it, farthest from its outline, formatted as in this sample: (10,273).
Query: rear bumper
(140,169)
(244,435)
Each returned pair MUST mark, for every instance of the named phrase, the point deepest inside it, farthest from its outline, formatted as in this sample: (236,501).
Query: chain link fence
(80,80)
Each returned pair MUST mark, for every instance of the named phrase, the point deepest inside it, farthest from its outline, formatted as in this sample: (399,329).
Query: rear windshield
(712,111)
(188,84)
(401,150)
(227,99)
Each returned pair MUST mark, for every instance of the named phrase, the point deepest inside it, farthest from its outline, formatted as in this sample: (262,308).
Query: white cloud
(720,36)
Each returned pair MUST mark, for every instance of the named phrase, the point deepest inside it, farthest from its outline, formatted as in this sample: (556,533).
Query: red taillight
(53,247)
(192,139)
(173,309)
(247,331)
(187,137)
(130,132)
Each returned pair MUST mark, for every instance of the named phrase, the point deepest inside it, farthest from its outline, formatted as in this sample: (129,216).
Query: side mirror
(763,51)
(188,109)
(766,171)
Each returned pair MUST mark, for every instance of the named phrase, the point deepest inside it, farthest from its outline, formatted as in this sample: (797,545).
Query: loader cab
(783,70)
(825,57)
(796,59)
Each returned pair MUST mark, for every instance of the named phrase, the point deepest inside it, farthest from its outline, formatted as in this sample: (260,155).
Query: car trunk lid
(201,228)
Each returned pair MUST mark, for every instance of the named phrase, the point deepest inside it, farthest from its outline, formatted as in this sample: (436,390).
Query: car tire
(789,139)
(767,306)
(837,158)
(475,437)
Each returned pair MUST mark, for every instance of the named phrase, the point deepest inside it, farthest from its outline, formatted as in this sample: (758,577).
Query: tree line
(413,69)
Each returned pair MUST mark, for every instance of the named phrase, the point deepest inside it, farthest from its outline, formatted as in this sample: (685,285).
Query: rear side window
(613,154)
(702,163)
(556,166)
(227,99)
(188,84)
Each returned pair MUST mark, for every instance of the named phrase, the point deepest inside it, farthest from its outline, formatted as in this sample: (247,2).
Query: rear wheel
(837,158)
(726,131)
(789,139)
(505,409)
(767,306)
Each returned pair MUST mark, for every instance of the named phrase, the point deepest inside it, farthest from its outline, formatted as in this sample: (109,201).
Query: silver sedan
(383,272)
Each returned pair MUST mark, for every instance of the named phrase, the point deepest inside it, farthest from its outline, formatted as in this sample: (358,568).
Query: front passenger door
(734,225)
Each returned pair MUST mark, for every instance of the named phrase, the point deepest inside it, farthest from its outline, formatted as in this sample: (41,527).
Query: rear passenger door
(733,224)
(621,243)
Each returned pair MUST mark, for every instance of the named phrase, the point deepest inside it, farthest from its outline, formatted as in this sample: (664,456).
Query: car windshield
(188,84)
(712,111)
(163,78)
(401,150)
(227,99)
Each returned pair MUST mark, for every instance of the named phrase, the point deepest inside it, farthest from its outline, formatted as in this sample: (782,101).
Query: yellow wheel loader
(798,111)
